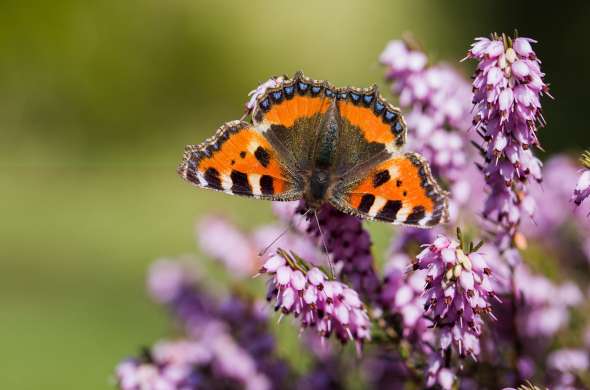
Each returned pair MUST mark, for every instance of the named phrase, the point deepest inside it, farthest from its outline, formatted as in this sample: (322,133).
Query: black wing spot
(405,193)
(240,183)
(212,178)
(266,185)
(398,183)
(366,202)
(389,211)
(262,156)
(233,162)
(381,178)
(243,154)
(416,215)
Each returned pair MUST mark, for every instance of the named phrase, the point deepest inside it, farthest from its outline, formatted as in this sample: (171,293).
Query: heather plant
(493,299)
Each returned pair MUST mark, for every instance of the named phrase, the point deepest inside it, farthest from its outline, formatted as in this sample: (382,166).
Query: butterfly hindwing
(239,160)
(400,190)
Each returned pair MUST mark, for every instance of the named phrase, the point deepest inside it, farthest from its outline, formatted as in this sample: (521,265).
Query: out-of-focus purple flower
(564,366)
(457,293)
(324,375)
(401,294)
(173,284)
(438,98)
(166,278)
(559,177)
(561,222)
(301,244)
(347,242)
(213,360)
(507,86)
(439,89)
(526,367)
(545,308)
(438,374)
(223,241)
(327,306)
(386,370)
(568,360)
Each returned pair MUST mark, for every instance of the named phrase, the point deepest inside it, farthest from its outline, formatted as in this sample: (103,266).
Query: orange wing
(293,99)
(400,190)
(239,160)
(377,120)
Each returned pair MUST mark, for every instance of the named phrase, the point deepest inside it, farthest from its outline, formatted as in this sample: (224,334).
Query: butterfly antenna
(277,238)
(324,244)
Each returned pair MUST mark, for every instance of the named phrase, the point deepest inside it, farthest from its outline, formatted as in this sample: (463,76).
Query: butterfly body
(309,140)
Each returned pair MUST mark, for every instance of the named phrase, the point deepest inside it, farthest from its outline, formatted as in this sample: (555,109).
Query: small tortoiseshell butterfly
(309,140)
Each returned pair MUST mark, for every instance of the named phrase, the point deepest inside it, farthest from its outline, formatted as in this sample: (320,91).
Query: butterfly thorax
(317,190)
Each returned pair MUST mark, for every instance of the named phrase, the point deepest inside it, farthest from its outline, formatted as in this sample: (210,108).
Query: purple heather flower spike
(326,305)
(456,294)
(507,85)
(348,243)
(186,364)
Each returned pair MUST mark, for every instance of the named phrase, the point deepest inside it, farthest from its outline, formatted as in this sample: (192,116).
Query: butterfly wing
(366,112)
(289,115)
(399,190)
(239,160)
(265,159)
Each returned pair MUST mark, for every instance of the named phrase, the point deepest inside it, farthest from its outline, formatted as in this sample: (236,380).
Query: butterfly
(308,140)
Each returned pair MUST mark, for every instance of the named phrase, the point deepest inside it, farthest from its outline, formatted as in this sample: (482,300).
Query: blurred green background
(98,99)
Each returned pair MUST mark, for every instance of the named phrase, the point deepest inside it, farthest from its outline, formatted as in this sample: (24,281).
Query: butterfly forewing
(289,116)
(239,160)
